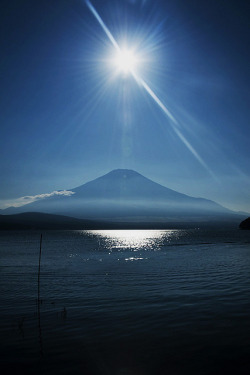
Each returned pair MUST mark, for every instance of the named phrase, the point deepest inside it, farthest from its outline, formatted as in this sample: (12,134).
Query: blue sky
(66,118)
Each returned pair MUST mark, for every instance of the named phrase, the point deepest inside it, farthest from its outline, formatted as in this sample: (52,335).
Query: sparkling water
(125,302)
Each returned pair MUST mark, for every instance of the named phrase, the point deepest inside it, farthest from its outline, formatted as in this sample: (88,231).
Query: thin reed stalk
(39,269)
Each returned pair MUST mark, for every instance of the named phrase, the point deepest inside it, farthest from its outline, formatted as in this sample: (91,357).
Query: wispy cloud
(18,202)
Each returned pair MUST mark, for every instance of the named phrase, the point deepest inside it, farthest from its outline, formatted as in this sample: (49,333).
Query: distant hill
(37,220)
(245,224)
(41,221)
(124,195)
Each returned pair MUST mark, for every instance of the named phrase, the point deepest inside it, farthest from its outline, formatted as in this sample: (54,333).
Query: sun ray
(102,24)
(130,66)
(174,124)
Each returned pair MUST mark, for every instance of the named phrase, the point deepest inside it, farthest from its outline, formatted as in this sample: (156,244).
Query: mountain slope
(128,185)
(125,194)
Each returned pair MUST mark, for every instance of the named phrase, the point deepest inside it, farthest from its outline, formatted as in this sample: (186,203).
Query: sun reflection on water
(133,239)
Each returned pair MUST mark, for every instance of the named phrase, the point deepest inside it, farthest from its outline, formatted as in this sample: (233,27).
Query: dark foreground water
(125,302)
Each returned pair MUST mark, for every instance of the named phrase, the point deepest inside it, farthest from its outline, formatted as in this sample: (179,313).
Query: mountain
(125,195)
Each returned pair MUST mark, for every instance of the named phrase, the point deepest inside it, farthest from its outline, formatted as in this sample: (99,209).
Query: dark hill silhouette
(41,221)
(245,224)
(125,195)
(37,220)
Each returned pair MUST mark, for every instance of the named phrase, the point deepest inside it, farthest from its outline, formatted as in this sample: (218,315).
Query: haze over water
(126,302)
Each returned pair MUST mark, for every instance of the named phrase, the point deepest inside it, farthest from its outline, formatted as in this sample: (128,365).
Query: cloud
(32,198)
(48,195)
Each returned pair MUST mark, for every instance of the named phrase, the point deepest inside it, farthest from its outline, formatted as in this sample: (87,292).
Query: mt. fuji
(126,195)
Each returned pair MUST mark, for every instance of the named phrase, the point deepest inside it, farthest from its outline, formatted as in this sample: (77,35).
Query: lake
(125,302)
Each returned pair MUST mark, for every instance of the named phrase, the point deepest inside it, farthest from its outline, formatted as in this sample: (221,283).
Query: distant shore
(42,221)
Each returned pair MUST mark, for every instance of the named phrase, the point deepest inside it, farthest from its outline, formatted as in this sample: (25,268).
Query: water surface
(125,302)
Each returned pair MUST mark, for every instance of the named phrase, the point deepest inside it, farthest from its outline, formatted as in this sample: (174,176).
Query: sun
(125,61)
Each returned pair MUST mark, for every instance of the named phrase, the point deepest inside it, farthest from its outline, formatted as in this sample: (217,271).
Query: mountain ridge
(125,193)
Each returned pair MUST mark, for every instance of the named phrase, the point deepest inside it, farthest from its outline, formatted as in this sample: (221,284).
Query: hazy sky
(67,117)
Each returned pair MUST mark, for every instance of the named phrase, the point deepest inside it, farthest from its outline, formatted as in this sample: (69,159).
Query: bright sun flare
(125,61)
